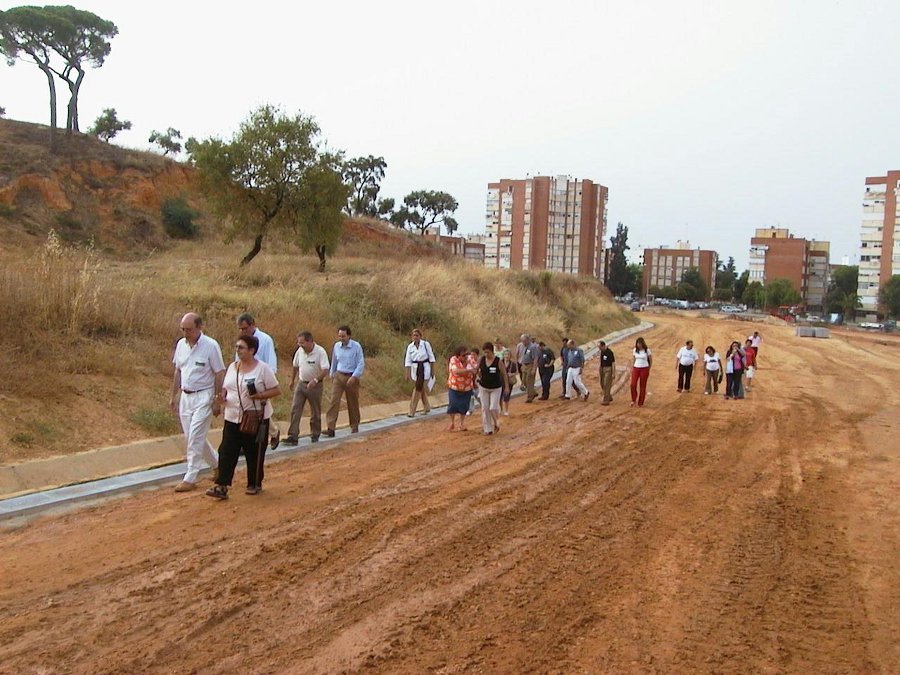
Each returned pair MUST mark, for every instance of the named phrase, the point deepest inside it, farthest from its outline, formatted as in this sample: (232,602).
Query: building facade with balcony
(546,223)
(777,254)
(879,247)
(664,267)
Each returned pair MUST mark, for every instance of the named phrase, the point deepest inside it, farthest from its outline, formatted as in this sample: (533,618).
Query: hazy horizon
(705,121)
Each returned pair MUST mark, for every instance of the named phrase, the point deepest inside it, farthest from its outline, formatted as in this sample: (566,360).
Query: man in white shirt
(419,365)
(199,372)
(266,353)
(310,370)
(684,364)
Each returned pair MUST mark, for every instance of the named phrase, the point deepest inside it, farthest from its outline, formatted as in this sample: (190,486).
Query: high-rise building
(664,267)
(777,254)
(546,223)
(879,249)
(818,274)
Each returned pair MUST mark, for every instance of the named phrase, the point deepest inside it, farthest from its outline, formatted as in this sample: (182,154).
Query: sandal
(218,491)
(252,490)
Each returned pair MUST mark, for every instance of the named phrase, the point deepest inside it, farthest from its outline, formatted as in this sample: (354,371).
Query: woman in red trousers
(640,371)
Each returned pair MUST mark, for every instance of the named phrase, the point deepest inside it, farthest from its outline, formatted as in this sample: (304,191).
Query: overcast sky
(704,119)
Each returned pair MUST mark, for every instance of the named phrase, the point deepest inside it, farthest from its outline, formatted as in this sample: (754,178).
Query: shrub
(178,218)
(6,211)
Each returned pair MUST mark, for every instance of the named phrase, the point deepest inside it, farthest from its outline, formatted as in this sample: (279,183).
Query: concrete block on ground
(822,332)
(806,331)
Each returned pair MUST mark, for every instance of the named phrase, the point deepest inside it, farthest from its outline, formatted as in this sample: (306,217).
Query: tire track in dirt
(694,535)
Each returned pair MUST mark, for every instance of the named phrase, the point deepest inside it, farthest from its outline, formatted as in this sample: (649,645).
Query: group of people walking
(740,361)
(203,387)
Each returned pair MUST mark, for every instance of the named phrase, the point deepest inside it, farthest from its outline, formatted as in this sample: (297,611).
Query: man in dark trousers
(563,352)
(546,368)
(607,372)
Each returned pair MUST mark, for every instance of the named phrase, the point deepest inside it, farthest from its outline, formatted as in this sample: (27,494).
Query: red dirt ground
(694,535)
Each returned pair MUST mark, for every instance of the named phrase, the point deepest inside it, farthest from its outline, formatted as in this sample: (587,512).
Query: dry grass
(96,334)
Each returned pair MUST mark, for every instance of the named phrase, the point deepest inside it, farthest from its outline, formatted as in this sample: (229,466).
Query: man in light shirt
(419,364)
(575,360)
(684,364)
(531,357)
(247,327)
(347,366)
(197,380)
(310,370)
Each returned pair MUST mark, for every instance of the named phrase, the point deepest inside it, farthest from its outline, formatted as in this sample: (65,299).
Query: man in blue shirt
(347,365)
(575,361)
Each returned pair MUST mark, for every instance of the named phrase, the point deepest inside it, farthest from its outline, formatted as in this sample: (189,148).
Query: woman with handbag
(249,383)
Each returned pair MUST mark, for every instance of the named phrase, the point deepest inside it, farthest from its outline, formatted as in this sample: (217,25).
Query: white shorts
(749,372)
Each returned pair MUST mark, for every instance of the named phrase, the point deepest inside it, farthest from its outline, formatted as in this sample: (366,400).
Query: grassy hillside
(88,358)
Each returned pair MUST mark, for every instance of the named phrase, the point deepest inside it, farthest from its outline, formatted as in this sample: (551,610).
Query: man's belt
(194,391)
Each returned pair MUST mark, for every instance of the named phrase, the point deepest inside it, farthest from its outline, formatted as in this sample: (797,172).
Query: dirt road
(693,535)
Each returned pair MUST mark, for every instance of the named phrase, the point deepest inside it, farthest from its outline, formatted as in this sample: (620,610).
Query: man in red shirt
(750,356)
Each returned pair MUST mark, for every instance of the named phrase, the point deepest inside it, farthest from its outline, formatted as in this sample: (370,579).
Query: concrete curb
(35,502)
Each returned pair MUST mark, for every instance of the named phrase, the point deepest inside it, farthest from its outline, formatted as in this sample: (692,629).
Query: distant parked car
(871,325)
(730,309)
(635,306)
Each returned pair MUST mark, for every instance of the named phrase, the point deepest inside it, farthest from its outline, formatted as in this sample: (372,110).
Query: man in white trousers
(575,360)
(199,372)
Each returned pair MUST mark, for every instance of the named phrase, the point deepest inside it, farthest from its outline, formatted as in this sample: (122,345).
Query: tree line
(841,296)
(273,177)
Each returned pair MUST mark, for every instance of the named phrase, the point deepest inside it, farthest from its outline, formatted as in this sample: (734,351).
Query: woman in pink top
(460,384)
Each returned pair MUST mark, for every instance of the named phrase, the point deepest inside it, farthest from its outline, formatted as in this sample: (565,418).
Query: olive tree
(272,177)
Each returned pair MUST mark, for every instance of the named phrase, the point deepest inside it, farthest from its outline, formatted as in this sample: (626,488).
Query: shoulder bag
(250,419)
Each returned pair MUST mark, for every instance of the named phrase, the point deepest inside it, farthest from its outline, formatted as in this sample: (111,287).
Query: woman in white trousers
(491,383)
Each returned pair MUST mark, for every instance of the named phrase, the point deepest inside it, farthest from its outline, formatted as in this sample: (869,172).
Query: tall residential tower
(879,249)
(546,223)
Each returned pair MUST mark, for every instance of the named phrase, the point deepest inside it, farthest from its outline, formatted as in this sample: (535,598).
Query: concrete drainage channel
(95,490)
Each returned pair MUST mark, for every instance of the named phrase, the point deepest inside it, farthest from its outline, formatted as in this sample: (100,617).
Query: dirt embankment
(693,535)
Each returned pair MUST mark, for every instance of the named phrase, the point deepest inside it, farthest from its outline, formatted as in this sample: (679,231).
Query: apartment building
(664,267)
(879,249)
(546,223)
(818,269)
(471,248)
(777,254)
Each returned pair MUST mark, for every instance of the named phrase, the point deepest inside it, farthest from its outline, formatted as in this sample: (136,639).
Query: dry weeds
(89,325)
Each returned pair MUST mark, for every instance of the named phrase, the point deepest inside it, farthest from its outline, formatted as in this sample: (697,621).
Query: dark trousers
(254,449)
(735,391)
(546,375)
(684,377)
(565,372)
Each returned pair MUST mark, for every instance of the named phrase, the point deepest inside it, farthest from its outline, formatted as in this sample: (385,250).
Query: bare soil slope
(693,535)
